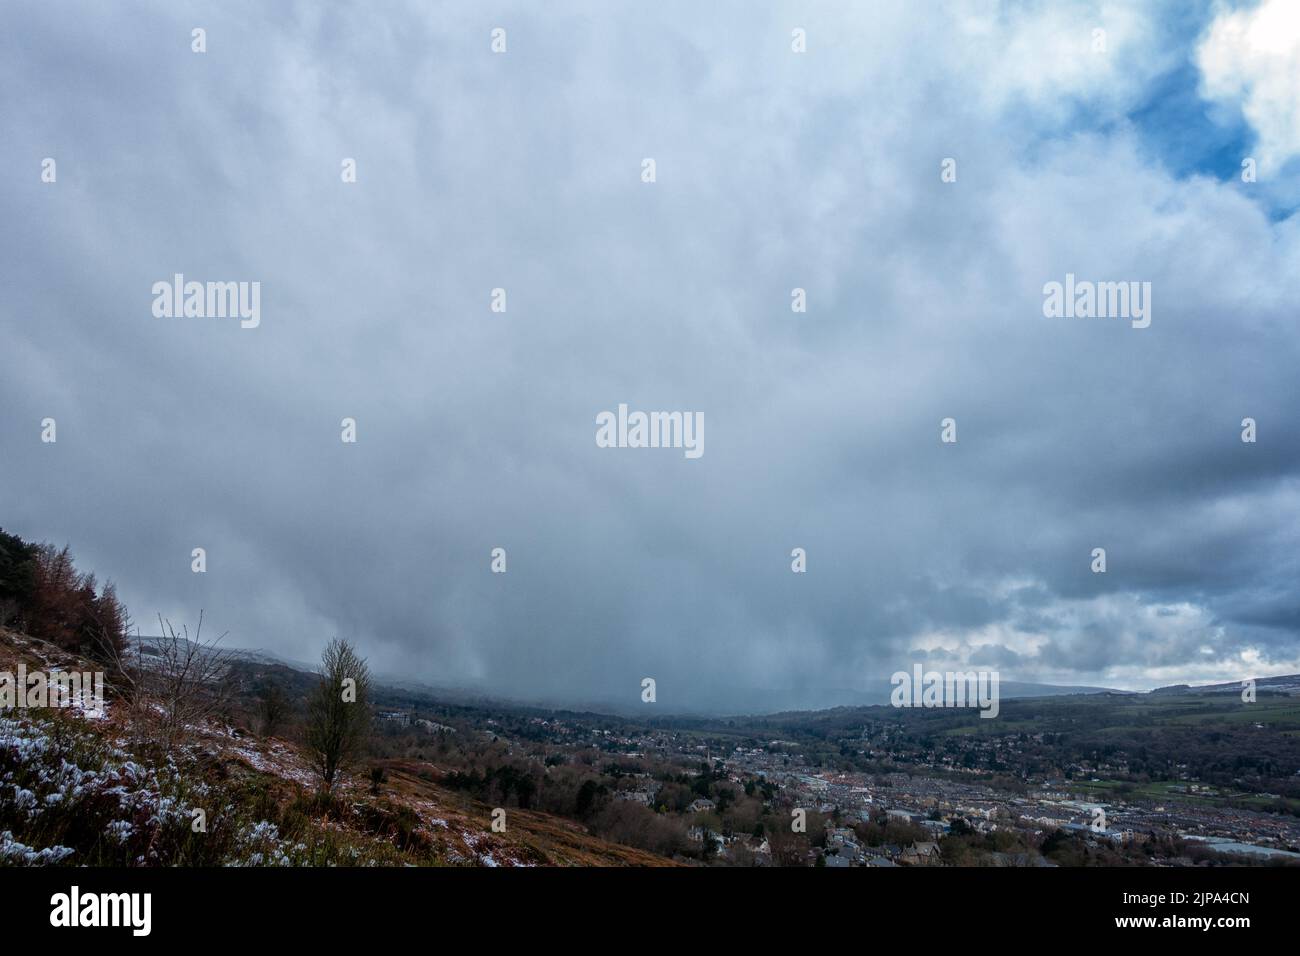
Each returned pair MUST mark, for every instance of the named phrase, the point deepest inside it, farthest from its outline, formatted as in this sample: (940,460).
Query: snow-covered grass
(67,789)
(71,794)
(83,788)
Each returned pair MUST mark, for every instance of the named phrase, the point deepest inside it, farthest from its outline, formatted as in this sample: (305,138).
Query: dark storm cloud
(476,429)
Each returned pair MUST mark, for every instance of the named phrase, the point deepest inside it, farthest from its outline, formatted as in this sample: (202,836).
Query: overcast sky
(775,170)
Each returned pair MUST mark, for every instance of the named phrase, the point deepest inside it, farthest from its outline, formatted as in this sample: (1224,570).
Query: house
(433,727)
(1021,859)
(700,805)
(921,854)
(701,834)
(841,836)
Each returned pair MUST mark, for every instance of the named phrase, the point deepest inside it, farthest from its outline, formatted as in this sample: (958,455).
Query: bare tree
(338,712)
(181,683)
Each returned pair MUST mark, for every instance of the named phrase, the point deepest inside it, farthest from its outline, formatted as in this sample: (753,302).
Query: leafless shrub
(179,684)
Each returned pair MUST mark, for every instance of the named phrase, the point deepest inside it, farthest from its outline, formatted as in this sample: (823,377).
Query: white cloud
(776,170)
(1048,57)
(1252,57)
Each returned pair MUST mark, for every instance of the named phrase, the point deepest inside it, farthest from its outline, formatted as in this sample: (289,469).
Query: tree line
(44,595)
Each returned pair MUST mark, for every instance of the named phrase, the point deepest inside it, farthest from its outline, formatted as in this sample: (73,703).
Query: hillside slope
(82,789)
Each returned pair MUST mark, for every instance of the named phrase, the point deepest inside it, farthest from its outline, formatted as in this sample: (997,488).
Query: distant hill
(1286,684)
(732,701)
(739,702)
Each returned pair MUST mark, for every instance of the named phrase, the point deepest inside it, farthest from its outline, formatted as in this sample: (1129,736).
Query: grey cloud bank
(522,171)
